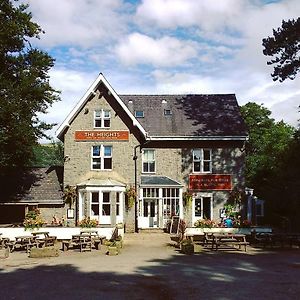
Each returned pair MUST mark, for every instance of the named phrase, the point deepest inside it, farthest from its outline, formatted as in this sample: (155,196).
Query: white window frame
(201,197)
(148,161)
(102,118)
(102,157)
(202,161)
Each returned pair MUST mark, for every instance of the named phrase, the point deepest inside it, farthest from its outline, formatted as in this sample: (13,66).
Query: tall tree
(25,92)
(284,47)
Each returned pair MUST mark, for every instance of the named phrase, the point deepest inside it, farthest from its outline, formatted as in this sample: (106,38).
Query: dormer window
(139,114)
(167,112)
(102,118)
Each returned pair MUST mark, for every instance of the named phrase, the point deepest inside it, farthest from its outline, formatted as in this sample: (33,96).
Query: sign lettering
(101,135)
(217,182)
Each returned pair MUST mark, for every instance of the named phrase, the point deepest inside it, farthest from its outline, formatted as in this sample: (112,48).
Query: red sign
(216,182)
(101,135)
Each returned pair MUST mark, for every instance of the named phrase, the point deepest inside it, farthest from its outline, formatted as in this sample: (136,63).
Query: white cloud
(207,14)
(166,51)
(79,22)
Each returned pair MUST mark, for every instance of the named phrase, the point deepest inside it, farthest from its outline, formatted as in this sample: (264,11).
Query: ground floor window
(105,204)
(170,202)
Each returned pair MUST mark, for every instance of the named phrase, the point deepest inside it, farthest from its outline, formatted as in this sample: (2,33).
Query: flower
(87,222)
(33,220)
(205,223)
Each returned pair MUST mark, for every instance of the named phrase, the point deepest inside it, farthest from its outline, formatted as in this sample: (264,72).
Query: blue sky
(167,47)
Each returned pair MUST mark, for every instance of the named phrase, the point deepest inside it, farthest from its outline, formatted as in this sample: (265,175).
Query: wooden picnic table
(85,240)
(44,239)
(228,240)
(24,242)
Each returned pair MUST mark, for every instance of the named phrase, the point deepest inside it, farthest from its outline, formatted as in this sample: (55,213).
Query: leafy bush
(205,223)
(88,223)
(33,220)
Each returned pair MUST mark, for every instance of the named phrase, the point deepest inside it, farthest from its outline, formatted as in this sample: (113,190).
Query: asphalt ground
(150,267)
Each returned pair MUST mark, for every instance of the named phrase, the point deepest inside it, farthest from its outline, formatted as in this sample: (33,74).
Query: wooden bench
(229,240)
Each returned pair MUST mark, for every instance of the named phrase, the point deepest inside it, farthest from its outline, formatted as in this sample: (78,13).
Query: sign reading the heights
(101,135)
(217,182)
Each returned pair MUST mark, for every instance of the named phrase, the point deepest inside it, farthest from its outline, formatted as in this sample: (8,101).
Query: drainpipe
(136,203)
(136,229)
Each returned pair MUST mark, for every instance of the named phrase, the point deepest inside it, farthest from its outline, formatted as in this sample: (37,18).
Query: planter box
(187,249)
(198,248)
(4,253)
(113,250)
(44,252)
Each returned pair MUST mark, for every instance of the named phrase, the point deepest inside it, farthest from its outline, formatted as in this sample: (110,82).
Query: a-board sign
(174,225)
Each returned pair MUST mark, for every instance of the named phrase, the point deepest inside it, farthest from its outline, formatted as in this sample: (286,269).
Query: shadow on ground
(210,275)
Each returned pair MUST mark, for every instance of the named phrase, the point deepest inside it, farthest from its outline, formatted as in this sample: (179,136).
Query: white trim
(91,91)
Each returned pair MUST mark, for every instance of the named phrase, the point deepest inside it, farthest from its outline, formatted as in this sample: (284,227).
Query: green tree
(25,92)
(47,155)
(268,141)
(284,48)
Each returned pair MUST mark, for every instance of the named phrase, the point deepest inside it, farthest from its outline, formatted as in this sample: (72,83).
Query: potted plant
(87,222)
(130,195)
(33,220)
(112,249)
(187,247)
(187,198)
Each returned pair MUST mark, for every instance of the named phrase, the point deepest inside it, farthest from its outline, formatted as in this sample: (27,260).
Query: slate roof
(158,180)
(37,186)
(191,115)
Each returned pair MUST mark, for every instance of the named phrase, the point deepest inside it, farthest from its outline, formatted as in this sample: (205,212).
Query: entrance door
(151,211)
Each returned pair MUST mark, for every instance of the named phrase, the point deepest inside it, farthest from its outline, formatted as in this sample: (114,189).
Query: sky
(165,47)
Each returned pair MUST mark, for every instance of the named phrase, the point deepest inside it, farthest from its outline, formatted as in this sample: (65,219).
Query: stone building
(161,146)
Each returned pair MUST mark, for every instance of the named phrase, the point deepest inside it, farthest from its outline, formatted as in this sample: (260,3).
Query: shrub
(88,223)
(33,220)
(205,223)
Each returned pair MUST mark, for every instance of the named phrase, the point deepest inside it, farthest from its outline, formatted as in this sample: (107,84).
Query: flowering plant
(87,222)
(187,198)
(33,220)
(130,196)
(205,223)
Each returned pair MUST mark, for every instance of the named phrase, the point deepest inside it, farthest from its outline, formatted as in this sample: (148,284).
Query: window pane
(107,150)
(152,167)
(107,123)
(107,163)
(96,163)
(98,114)
(139,114)
(197,154)
(106,210)
(145,167)
(97,123)
(96,150)
(206,166)
(106,114)
(197,207)
(206,154)
(95,197)
(95,209)
(197,167)
(106,197)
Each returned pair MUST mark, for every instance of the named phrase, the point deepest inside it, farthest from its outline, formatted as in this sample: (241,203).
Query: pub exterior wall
(175,162)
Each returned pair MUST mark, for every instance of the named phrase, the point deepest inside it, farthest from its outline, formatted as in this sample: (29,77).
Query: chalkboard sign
(174,225)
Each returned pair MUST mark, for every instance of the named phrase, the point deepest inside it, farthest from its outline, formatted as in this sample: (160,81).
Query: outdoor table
(83,240)
(229,239)
(23,242)
(46,240)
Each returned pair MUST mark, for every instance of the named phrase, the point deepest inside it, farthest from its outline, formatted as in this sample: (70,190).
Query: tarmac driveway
(150,268)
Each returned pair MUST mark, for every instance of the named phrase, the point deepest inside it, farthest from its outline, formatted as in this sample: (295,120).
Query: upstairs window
(148,161)
(139,114)
(102,118)
(202,161)
(101,157)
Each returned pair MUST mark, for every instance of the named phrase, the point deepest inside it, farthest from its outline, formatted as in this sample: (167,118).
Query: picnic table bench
(25,242)
(44,239)
(84,241)
(229,240)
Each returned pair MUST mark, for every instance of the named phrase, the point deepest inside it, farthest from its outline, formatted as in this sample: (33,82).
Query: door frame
(202,195)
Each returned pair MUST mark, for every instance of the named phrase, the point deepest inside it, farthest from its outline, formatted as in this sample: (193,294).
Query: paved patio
(150,268)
